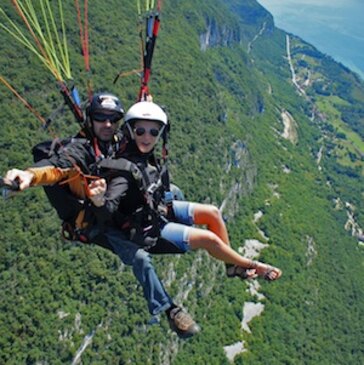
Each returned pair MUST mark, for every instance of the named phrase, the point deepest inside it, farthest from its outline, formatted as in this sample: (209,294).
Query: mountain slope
(243,137)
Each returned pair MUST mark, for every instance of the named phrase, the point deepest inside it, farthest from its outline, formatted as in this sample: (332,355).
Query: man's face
(105,125)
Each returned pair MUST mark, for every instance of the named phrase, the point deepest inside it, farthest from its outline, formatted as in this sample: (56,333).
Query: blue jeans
(178,232)
(131,254)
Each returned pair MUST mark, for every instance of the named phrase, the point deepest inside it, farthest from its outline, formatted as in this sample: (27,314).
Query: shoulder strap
(141,177)
(122,164)
(47,149)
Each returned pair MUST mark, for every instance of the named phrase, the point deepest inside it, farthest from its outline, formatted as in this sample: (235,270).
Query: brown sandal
(267,272)
(242,273)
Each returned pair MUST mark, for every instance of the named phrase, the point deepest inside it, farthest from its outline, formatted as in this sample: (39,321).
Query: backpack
(62,200)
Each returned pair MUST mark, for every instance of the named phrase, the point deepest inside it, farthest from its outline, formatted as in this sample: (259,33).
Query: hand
(23,177)
(97,190)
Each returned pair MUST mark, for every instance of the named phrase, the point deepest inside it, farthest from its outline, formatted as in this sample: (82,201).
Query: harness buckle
(71,233)
(152,188)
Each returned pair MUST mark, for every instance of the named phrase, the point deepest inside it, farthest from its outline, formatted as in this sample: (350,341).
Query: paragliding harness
(143,225)
(67,206)
(77,220)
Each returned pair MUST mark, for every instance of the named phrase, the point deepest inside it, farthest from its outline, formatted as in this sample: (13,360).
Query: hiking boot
(182,323)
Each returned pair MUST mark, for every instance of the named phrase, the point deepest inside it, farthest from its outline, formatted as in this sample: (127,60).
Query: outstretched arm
(34,176)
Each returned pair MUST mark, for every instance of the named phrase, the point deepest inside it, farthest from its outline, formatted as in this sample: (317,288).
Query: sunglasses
(101,118)
(141,130)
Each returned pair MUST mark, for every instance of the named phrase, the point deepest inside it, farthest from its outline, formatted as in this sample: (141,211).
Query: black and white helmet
(102,102)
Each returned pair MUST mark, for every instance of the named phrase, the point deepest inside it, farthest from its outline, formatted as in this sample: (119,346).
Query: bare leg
(209,215)
(217,248)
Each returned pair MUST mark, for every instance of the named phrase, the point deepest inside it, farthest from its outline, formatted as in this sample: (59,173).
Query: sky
(334,27)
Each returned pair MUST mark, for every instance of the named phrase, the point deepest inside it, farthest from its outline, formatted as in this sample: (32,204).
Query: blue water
(334,27)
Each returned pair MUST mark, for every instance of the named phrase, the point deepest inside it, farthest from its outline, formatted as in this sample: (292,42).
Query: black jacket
(66,153)
(126,193)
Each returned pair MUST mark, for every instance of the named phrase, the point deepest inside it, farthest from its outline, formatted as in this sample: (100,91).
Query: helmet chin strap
(130,131)
(160,134)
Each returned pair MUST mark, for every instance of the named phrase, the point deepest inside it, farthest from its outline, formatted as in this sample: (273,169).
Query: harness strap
(97,150)
(79,222)
(123,164)
(143,180)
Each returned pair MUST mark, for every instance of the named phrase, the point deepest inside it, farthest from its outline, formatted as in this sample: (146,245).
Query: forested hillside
(263,126)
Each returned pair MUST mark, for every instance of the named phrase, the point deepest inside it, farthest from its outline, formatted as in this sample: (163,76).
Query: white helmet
(146,110)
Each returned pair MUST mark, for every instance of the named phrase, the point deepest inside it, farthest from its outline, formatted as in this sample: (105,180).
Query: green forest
(282,152)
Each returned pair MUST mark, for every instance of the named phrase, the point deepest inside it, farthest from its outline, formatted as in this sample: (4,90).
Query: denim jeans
(132,255)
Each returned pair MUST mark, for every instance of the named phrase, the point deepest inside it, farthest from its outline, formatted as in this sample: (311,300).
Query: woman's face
(146,135)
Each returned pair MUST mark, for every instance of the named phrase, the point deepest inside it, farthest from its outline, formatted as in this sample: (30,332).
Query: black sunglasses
(141,130)
(101,118)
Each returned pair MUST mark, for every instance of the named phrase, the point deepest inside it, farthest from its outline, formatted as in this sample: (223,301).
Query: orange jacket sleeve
(49,175)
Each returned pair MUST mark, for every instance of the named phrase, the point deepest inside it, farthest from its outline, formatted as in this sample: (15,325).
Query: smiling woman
(145,135)
(334,27)
(152,220)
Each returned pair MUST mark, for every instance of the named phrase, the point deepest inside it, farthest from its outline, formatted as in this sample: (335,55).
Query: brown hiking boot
(182,323)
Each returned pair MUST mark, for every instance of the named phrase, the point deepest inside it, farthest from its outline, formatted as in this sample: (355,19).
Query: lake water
(334,27)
